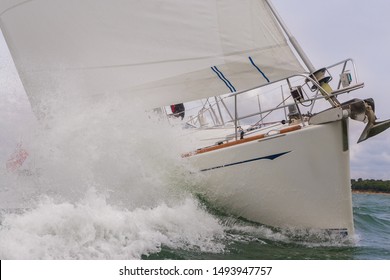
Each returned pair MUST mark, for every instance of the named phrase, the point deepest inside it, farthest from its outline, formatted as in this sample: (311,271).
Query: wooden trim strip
(238,142)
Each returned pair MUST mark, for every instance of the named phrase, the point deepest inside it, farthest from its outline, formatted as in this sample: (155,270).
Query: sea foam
(104,182)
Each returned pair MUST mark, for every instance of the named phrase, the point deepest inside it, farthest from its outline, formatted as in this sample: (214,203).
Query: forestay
(157,51)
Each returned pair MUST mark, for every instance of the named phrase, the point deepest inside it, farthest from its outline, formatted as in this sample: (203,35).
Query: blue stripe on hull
(270,157)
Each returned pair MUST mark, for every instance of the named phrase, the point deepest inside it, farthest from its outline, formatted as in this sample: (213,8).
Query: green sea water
(190,230)
(246,241)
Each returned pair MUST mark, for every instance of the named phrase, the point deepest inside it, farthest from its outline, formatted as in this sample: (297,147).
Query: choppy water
(94,229)
(242,240)
(98,187)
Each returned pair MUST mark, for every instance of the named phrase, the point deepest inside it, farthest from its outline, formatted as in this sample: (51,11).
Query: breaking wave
(103,183)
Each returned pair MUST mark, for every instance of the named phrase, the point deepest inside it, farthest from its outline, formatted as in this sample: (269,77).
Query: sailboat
(291,173)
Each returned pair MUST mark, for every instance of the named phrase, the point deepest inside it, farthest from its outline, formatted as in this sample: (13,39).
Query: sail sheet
(158,52)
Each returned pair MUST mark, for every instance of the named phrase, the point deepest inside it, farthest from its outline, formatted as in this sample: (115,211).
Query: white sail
(158,51)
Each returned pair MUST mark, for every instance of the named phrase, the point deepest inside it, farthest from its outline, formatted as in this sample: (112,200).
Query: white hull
(306,185)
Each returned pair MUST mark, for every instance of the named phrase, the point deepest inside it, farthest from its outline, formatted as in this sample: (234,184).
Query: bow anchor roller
(364,111)
(360,110)
(373,127)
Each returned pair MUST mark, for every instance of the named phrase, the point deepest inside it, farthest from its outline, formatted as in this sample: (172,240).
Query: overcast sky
(329,31)
(333,30)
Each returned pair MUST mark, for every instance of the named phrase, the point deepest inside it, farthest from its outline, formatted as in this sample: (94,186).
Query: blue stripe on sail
(270,157)
(258,69)
(223,78)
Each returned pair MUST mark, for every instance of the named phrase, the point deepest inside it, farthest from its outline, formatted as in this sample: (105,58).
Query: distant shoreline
(369,192)
(370,186)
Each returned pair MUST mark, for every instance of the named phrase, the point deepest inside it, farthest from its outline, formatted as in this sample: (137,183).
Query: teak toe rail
(241,141)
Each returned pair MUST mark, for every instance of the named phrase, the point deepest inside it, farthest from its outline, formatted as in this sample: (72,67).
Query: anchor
(364,111)
(373,127)
(360,110)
